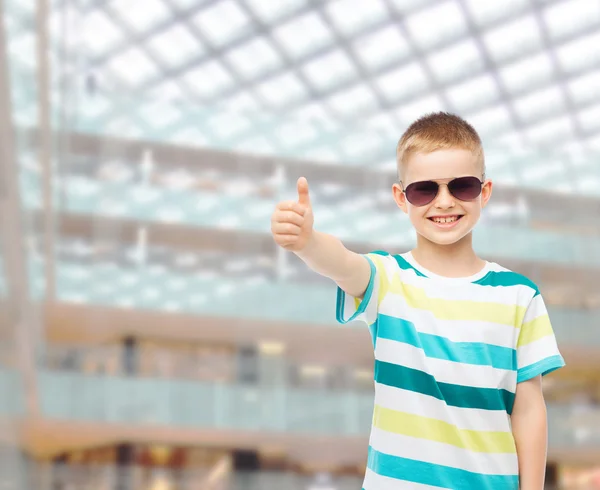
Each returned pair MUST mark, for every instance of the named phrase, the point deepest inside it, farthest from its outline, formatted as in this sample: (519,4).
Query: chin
(446,239)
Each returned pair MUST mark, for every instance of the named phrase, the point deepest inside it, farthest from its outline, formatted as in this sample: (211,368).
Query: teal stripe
(341,298)
(405,265)
(454,395)
(437,475)
(543,367)
(438,347)
(506,278)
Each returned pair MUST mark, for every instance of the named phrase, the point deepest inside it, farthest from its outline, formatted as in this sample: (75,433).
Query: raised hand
(292,221)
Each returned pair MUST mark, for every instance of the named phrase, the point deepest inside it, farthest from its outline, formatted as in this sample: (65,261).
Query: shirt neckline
(408,256)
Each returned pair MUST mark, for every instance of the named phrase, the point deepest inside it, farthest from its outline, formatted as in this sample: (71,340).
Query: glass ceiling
(333,80)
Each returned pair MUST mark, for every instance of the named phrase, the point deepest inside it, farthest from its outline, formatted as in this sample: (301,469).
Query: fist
(292,221)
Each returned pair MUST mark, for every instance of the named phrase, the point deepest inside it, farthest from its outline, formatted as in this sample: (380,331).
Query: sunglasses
(462,188)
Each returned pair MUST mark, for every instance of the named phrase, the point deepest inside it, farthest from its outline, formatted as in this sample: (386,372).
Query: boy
(460,343)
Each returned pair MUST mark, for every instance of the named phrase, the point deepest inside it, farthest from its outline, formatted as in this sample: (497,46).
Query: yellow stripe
(384,283)
(536,329)
(436,430)
(453,309)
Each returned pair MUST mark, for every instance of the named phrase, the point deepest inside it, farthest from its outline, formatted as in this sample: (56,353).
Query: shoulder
(499,276)
(392,262)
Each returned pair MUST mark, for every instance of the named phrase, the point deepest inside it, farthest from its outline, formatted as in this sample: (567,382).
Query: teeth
(445,220)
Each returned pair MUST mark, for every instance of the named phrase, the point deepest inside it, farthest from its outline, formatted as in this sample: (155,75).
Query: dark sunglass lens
(465,188)
(421,193)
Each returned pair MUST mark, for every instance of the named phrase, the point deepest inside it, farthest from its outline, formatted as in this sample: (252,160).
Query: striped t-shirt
(448,356)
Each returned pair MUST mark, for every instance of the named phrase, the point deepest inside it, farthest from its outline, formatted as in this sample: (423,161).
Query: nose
(444,199)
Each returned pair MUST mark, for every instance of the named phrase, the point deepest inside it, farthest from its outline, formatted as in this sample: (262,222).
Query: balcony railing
(176,403)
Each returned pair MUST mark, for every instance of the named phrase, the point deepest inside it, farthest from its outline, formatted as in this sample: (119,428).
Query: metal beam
(45,141)
(20,314)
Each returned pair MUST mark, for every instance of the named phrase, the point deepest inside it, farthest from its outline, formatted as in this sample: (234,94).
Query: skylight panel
(282,90)
(539,104)
(166,91)
(528,72)
(223,22)
(296,133)
(381,48)
(493,120)
(414,110)
(564,19)
(243,102)
(350,16)
(585,88)
(268,11)
(437,24)
(353,100)
(329,69)
(226,125)
(208,79)
(176,45)
(457,61)
(403,82)
(360,146)
(316,113)
(141,19)
(580,54)
(544,170)
(590,118)
(385,124)
(405,6)
(474,92)
(558,128)
(254,58)
(133,66)
(99,33)
(488,12)
(160,114)
(303,35)
(513,39)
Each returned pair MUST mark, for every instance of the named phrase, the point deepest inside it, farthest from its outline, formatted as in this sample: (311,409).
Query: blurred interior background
(152,336)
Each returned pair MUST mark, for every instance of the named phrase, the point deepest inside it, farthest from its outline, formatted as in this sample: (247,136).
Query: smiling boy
(460,343)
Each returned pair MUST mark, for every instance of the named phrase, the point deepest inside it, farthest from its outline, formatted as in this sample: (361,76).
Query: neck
(454,260)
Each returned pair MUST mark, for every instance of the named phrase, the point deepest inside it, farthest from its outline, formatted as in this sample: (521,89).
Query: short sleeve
(365,309)
(537,349)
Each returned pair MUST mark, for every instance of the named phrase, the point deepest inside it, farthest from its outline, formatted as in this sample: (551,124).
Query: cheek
(417,213)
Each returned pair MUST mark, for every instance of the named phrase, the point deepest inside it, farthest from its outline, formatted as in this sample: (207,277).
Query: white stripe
(428,406)
(444,371)
(519,295)
(537,308)
(534,352)
(454,330)
(373,481)
(443,454)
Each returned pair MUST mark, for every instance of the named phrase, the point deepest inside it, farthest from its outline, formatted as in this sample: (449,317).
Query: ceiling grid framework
(339,80)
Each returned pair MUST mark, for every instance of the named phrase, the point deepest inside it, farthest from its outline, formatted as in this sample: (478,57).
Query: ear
(400,197)
(486,192)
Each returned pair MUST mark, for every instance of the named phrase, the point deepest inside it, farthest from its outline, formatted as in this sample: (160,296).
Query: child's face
(460,217)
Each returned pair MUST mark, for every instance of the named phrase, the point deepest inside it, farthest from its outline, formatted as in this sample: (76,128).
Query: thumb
(303,197)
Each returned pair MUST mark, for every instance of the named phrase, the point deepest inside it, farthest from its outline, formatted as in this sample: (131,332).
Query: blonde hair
(438,131)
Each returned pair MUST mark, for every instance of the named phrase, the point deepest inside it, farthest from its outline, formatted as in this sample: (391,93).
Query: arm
(529,427)
(292,227)
(327,256)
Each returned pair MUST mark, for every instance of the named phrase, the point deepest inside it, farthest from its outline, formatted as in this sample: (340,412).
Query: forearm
(529,426)
(326,255)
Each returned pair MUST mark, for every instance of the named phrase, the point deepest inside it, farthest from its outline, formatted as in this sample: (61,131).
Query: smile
(446,221)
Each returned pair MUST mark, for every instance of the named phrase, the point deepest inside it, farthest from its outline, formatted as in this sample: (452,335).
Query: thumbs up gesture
(292,221)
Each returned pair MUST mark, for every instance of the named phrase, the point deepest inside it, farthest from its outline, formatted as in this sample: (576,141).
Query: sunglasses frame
(482,183)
